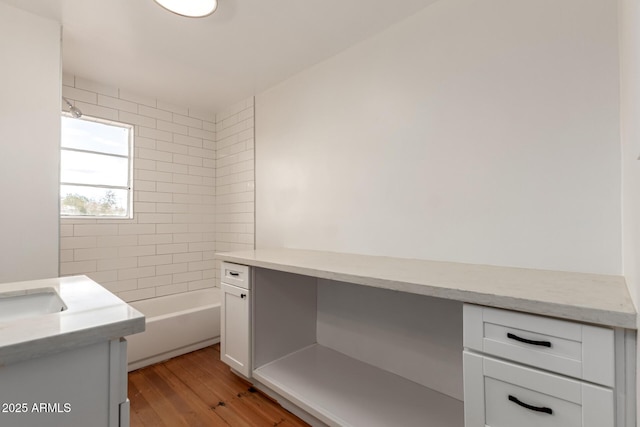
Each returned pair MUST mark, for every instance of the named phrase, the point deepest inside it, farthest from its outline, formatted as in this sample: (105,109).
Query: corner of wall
(235,178)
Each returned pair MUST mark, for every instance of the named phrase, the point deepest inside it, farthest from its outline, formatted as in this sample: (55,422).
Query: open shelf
(340,390)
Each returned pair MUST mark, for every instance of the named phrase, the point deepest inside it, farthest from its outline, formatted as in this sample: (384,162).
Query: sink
(31,303)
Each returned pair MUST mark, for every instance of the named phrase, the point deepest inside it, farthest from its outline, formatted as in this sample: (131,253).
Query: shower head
(75,111)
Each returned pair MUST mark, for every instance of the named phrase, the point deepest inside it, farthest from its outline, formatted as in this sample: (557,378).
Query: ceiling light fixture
(190,8)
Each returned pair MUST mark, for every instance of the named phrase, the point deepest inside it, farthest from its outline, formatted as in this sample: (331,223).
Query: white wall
(235,179)
(629,22)
(630,137)
(413,336)
(29,145)
(483,132)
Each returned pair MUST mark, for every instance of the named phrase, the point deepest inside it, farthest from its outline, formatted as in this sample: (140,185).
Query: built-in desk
(365,340)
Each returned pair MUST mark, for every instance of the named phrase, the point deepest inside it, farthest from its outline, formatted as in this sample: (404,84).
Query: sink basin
(31,303)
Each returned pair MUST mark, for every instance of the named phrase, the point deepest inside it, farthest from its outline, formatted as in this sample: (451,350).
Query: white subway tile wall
(189,201)
(235,178)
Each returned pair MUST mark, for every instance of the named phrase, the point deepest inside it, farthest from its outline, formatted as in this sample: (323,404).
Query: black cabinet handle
(234,274)
(532,408)
(243,295)
(526,341)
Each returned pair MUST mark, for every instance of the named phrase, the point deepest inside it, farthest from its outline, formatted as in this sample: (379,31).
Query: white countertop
(591,298)
(93,315)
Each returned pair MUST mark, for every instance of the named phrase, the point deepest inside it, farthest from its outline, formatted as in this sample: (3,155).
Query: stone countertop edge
(93,315)
(591,298)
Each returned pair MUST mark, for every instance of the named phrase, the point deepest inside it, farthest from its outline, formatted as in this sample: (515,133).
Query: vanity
(63,358)
(356,340)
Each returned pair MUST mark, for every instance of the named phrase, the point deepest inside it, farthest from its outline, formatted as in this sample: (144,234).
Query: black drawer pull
(532,408)
(234,273)
(524,340)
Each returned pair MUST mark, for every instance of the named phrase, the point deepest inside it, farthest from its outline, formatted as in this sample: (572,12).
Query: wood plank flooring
(197,389)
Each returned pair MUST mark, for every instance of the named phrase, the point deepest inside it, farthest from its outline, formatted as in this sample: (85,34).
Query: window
(95,168)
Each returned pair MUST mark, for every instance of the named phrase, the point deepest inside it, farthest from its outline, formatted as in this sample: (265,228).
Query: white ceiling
(245,47)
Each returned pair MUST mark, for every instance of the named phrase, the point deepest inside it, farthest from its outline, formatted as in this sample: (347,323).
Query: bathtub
(176,324)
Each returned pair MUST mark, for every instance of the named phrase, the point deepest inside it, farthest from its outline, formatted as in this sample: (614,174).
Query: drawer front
(509,405)
(503,394)
(235,274)
(568,348)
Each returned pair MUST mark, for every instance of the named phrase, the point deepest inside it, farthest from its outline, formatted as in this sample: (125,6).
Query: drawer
(504,394)
(235,274)
(569,348)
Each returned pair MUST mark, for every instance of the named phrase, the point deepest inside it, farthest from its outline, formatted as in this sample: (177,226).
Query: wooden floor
(197,389)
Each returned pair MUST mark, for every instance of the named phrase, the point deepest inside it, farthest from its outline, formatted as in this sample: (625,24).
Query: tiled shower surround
(193,195)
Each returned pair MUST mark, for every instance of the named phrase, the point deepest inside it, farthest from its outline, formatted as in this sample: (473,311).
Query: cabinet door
(71,388)
(235,334)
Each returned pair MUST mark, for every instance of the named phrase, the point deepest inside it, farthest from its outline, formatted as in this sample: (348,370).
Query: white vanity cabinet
(86,386)
(66,368)
(528,370)
(235,333)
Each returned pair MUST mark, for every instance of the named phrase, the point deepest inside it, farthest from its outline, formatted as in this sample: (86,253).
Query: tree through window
(95,168)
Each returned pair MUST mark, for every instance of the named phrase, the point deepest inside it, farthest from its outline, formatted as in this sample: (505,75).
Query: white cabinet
(86,386)
(352,340)
(235,333)
(527,370)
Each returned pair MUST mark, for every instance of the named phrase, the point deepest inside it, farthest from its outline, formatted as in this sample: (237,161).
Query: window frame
(129,157)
